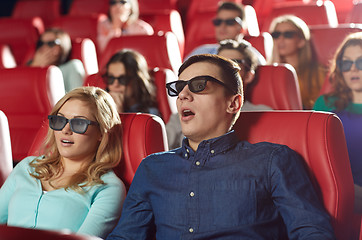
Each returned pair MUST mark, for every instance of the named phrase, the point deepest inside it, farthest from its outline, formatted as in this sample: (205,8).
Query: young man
(229,24)
(215,186)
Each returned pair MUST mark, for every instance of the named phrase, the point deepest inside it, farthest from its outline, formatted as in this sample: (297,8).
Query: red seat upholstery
(21,35)
(275,86)
(354,16)
(142,134)
(319,138)
(28,94)
(326,39)
(17,233)
(86,7)
(47,10)
(6,159)
(166,104)
(166,21)
(7,59)
(84,49)
(156,6)
(263,43)
(313,13)
(160,50)
(81,26)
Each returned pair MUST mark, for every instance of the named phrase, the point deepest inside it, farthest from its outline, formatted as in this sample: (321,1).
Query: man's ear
(235,104)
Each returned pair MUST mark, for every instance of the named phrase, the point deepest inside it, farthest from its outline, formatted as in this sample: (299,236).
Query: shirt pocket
(234,203)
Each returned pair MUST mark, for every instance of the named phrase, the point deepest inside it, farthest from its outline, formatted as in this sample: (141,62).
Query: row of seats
(321,144)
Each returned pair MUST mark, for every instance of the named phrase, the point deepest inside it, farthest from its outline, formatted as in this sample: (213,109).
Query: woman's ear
(235,104)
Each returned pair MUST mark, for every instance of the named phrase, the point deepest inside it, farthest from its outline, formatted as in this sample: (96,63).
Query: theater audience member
(72,186)
(130,84)
(241,53)
(122,20)
(229,24)
(53,48)
(346,101)
(292,45)
(215,186)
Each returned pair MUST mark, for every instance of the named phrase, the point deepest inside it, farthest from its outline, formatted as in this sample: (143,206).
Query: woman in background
(72,186)
(346,101)
(123,19)
(292,45)
(129,83)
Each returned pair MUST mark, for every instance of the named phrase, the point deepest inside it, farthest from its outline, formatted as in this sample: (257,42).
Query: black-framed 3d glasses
(196,84)
(346,65)
(113,2)
(77,125)
(50,44)
(228,22)
(286,34)
(123,79)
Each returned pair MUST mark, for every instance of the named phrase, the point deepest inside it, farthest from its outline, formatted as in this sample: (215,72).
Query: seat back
(21,35)
(318,137)
(313,13)
(84,49)
(28,95)
(263,43)
(7,59)
(160,50)
(354,16)
(14,233)
(86,7)
(275,86)
(142,135)
(326,39)
(6,160)
(47,10)
(165,104)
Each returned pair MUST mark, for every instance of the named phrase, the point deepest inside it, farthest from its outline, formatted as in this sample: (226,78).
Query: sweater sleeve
(105,209)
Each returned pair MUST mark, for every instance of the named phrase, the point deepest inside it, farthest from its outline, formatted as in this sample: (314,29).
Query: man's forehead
(201,69)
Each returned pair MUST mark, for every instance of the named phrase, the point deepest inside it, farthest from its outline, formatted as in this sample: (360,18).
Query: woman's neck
(357,97)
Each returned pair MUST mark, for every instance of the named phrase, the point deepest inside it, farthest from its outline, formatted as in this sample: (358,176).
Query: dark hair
(231,6)
(341,90)
(243,47)
(144,90)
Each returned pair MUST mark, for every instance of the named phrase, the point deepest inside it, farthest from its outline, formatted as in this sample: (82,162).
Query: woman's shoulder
(140,27)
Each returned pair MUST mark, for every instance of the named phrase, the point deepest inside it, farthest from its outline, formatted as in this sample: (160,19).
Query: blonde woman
(292,45)
(72,186)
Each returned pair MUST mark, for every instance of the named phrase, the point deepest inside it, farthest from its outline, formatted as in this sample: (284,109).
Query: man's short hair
(231,6)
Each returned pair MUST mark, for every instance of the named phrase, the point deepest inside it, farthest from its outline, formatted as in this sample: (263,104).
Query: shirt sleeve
(295,198)
(105,210)
(137,220)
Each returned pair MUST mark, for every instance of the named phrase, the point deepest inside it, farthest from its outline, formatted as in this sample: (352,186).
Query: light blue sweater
(23,203)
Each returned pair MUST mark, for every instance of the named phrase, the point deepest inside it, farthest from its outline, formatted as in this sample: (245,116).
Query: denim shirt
(227,189)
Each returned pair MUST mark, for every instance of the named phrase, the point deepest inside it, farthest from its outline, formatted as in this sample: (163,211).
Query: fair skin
(224,31)
(46,55)
(119,13)
(288,48)
(353,77)
(247,77)
(207,114)
(76,150)
(119,92)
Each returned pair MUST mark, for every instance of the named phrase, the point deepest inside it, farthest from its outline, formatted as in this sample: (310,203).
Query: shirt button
(187,150)
(197,163)
(191,230)
(212,151)
(185,155)
(192,194)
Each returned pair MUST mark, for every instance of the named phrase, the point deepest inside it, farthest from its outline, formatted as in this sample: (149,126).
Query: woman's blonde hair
(341,90)
(308,69)
(109,149)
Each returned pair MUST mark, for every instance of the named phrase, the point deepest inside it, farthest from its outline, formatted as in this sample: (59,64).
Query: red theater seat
(319,138)
(21,35)
(275,86)
(7,59)
(6,159)
(47,10)
(326,39)
(263,43)
(166,104)
(313,13)
(84,49)
(160,50)
(354,16)
(86,7)
(142,135)
(28,94)
(17,233)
